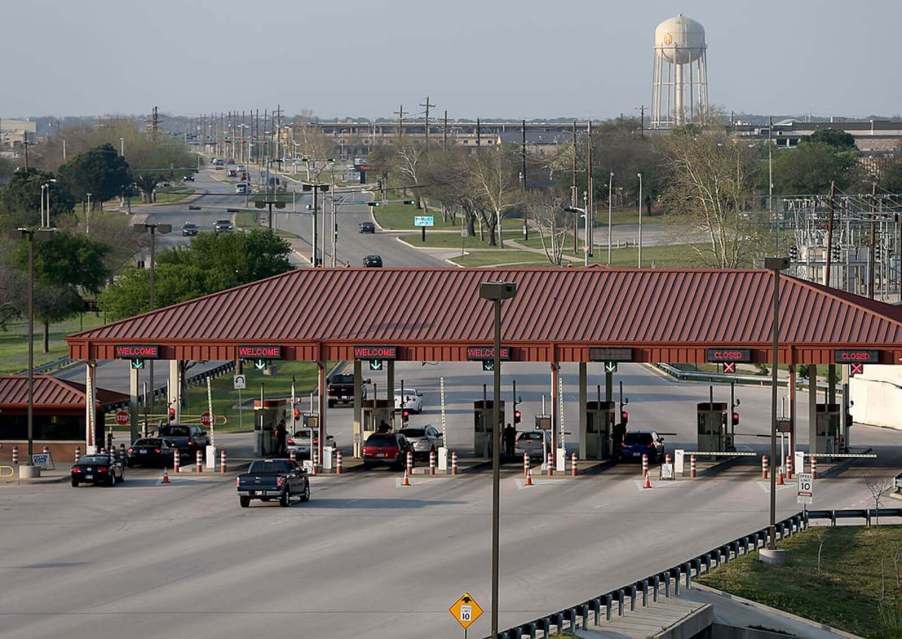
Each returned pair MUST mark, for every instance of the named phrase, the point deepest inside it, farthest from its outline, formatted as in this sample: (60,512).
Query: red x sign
(856,369)
(729,367)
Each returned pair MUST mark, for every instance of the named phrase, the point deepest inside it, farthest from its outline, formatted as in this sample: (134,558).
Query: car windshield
(94,459)
(342,379)
(149,442)
(175,431)
(637,438)
(407,391)
(413,432)
(530,437)
(270,466)
(381,440)
(223,223)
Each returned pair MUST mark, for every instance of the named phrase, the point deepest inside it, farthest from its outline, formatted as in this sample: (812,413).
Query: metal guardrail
(721,378)
(615,601)
(59,362)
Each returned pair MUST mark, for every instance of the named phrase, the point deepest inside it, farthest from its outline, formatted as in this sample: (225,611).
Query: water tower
(680,86)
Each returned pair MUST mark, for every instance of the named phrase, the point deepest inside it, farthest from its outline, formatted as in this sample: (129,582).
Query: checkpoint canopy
(558,316)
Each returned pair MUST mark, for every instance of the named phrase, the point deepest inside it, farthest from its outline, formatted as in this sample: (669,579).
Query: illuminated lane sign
(846,356)
(259,352)
(375,352)
(485,353)
(137,351)
(741,355)
(611,354)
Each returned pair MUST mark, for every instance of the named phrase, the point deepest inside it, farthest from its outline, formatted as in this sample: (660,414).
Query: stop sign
(122,417)
(205,419)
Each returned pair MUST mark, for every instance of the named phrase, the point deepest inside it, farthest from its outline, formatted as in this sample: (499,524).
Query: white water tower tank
(680,83)
(680,39)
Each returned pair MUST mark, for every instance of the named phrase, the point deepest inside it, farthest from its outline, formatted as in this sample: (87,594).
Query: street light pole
(610,212)
(775,264)
(496,292)
(152,229)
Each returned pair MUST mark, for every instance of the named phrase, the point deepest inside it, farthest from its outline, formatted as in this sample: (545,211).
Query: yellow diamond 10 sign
(465,610)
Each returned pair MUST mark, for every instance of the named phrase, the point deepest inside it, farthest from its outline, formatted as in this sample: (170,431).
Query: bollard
(525,464)
(789,462)
(109,441)
(693,471)
(655,585)
(453,463)
(813,467)
(644,464)
(292,455)
(549,464)
(199,465)
(667,458)
(764,467)
(315,461)
(644,593)
(15,458)
(620,597)
(338,462)
(77,453)
(45,450)
(608,601)
(573,464)
(431,462)
(122,452)
(177,462)
(409,463)
(222,461)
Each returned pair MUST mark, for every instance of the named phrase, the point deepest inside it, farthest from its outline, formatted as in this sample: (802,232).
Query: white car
(299,443)
(412,401)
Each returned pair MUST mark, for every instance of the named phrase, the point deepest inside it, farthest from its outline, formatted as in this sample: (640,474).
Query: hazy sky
(524,58)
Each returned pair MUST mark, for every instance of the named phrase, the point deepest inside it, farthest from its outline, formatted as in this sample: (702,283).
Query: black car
(367,227)
(223,226)
(373,261)
(638,443)
(189,229)
(97,469)
(188,178)
(187,438)
(151,451)
(386,448)
(268,479)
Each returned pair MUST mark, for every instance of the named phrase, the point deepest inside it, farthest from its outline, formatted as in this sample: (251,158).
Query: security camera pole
(775,264)
(496,292)
(153,229)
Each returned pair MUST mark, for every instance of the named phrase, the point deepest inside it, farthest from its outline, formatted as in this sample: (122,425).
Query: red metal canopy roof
(434,313)
(51,393)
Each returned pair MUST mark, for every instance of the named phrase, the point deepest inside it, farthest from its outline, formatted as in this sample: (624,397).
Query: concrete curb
(773,611)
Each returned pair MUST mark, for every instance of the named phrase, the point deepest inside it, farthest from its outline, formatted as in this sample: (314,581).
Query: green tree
(891,176)
(811,167)
(155,162)
(20,199)
(837,138)
(101,171)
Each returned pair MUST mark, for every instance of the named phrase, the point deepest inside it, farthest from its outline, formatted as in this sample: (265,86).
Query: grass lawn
(857,565)
(680,255)
(247,219)
(400,216)
(455,240)
(14,344)
(507,257)
(172,194)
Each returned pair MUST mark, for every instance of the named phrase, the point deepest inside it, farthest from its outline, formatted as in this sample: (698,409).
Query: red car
(387,449)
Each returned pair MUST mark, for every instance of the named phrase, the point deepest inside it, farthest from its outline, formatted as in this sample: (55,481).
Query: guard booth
(712,428)
(375,412)
(827,435)
(600,419)
(267,415)
(482,418)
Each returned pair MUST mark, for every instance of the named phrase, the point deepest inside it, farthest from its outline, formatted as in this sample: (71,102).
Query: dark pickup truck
(341,389)
(269,479)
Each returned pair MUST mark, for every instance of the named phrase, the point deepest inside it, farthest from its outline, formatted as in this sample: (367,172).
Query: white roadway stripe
(765,486)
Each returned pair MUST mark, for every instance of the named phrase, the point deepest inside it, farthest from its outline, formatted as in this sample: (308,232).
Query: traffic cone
(165,479)
(529,477)
(780,481)
(406,480)
(647,482)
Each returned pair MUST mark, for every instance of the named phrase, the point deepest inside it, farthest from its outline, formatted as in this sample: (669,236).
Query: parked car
(367,227)
(637,443)
(187,438)
(189,229)
(423,439)
(532,443)
(188,178)
(386,448)
(268,479)
(97,469)
(242,188)
(223,226)
(412,401)
(373,261)
(299,443)
(341,389)
(151,451)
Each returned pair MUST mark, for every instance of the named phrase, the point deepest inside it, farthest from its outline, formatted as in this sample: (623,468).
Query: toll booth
(482,426)
(827,435)
(712,428)
(375,412)
(600,420)
(267,414)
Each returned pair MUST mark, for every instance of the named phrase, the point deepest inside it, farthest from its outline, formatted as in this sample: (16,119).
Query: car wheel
(305,496)
(74,483)
(331,403)
(245,501)
(367,466)
(285,499)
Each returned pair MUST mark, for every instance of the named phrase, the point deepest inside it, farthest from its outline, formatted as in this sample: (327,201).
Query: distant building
(13,133)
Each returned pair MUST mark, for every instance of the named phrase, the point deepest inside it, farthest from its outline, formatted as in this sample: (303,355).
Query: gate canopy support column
(844,414)
(390,387)
(323,395)
(608,385)
(812,408)
(174,387)
(793,413)
(134,389)
(583,392)
(358,409)
(555,417)
(90,408)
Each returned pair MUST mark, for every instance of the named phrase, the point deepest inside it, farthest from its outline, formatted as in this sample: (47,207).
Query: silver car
(532,443)
(423,439)
(299,443)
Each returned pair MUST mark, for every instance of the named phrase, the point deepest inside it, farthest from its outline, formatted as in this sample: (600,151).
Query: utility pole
(400,114)
(154,123)
(830,234)
(478,133)
(770,184)
(590,189)
(427,106)
(642,120)
(279,136)
(872,244)
(573,169)
(523,153)
(445,131)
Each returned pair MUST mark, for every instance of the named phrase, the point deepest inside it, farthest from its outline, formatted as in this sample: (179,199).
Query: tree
(492,179)
(836,138)
(810,168)
(891,176)
(154,162)
(877,488)
(317,149)
(20,199)
(7,168)
(546,211)
(101,171)
(411,158)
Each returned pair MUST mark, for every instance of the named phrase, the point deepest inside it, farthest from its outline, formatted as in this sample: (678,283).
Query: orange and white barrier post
(15,457)
(644,465)
(814,467)
(409,463)
(77,453)
(199,462)
(789,469)
(315,461)
(764,467)
(453,463)
(525,464)
(573,464)
(292,455)
(222,461)
(693,471)
(177,462)
(549,464)
(431,462)
(122,451)
(338,462)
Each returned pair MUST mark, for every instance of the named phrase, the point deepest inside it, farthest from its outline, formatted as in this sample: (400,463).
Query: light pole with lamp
(584,213)
(45,223)
(496,292)
(610,212)
(775,264)
(639,175)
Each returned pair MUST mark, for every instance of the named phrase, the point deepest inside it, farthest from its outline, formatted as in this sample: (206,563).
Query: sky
(487,58)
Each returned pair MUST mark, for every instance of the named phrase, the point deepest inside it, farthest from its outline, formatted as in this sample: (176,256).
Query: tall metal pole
(30,413)
(776,265)
(153,304)
(496,467)
(830,234)
(610,212)
(640,219)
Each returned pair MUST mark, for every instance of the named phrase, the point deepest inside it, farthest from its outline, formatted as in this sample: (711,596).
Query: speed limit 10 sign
(806,488)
